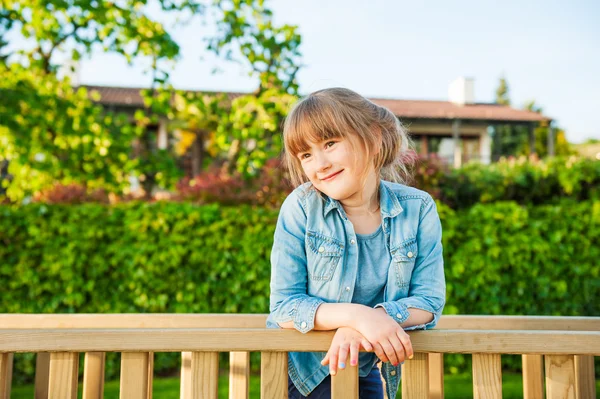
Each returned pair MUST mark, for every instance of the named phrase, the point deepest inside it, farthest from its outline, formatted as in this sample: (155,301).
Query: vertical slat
(487,376)
(533,377)
(436,375)
(560,376)
(6,366)
(150,373)
(585,380)
(62,383)
(42,375)
(205,375)
(185,387)
(239,375)
(274,375)
(344,385)
(415,377)
(93,375)
(134,375)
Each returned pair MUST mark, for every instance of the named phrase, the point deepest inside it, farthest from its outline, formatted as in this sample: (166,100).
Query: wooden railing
(561,348)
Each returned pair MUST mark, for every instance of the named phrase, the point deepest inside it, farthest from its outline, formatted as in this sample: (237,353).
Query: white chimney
(462,91)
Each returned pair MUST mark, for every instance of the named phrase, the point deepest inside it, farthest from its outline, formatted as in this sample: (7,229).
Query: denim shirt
(314,260)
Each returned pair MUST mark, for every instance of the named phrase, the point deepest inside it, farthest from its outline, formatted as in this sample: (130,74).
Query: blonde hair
(341,113)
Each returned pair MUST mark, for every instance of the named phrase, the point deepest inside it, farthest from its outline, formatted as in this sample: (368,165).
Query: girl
(354,250)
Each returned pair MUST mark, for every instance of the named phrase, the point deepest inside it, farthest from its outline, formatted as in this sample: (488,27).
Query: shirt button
(399,316)
(321,249)
(352,242)
(393,372)
(347,288)
(303,325)
(410,254)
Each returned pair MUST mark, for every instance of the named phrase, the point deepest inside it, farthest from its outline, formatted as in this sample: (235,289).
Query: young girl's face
(333,168)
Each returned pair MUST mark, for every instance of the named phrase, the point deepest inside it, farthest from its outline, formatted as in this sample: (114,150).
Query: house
(457,131)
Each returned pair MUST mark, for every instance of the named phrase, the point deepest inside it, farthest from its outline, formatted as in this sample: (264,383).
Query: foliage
(526,181)
(51,132)
(215,186)
(182,258)
(244,130)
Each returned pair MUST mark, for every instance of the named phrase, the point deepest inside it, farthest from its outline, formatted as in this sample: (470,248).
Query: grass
(455,387)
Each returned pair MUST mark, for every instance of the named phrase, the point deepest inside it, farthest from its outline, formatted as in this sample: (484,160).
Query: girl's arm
(290,305)
(331,316)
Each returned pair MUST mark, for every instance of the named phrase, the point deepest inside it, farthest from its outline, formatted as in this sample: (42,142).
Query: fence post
(6,365)
(560,376)
(42,375)
(274,375)
(344,385)
(436,375)
(533,377)
(415,377)
(487,376)
(134,375)
(93,375)
(64,369)
(585,379)
(239,375)
(205,375)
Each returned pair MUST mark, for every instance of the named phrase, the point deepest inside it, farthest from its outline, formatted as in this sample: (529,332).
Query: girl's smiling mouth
(331,177)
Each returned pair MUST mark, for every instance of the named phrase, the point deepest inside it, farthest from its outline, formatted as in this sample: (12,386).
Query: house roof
(412,109)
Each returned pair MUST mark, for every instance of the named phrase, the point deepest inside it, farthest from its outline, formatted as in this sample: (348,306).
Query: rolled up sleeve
(289,300)
(427,290)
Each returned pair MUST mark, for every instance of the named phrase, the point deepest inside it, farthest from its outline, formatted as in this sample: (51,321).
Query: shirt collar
(390,206)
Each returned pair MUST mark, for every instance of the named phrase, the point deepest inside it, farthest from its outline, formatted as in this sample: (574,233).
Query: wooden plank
(140,320)
(64,367)
(487,376)
(585,380)
(150,373)
(274,375)
(560,377)
(93,375)
(415,377)
(225,340)
(157,320)
(533,377)
(344,385)
(436,375)
(185,383)
(239,375)
(6,366)
(134,375)
(533,323)
(42,375)
(205,375)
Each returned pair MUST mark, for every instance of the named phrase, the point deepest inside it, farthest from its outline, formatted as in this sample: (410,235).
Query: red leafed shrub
(428,173)
(269,188)
(70,194)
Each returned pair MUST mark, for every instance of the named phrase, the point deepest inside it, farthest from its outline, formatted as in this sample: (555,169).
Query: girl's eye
(303,156)
(329,142)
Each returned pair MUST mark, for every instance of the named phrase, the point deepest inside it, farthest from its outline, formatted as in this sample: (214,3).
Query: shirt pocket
(324,255)
(404,257)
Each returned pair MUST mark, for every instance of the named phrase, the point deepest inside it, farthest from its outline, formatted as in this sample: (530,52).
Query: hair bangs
(310,122)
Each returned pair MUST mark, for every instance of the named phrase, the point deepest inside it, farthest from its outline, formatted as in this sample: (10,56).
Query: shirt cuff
(304,313)
(399,312)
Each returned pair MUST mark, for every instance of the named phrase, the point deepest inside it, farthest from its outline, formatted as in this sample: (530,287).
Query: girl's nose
(323,163)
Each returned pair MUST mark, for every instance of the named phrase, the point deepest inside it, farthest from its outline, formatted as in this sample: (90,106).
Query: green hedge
(501,258)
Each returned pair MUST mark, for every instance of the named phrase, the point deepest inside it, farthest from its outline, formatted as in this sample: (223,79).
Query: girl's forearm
(331,316)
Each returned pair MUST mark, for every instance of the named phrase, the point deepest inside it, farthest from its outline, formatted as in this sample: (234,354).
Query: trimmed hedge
(501,258)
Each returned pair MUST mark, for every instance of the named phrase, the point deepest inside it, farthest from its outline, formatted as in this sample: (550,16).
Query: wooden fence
(558,352)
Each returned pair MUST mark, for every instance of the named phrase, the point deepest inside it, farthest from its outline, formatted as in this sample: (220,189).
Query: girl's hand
(390,342)
(345,340)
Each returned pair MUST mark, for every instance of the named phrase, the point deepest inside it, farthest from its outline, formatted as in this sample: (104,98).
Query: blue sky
(547,50)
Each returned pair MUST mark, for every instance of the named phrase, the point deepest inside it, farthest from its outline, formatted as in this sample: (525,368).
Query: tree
(50,131)
(243,132)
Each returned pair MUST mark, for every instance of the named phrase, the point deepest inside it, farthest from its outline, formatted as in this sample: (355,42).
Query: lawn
(456,387)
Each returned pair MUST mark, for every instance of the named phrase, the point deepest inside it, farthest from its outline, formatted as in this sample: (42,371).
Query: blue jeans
(369,387)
